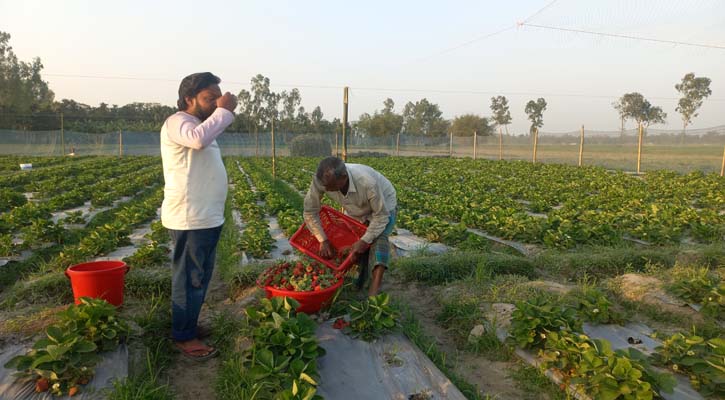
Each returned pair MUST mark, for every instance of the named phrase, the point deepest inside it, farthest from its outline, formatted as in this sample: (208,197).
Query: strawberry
(41,385)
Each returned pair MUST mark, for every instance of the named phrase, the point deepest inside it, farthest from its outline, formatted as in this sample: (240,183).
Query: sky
(405,50)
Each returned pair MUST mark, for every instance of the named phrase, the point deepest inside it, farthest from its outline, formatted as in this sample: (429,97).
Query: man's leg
(379,254)
(192,267)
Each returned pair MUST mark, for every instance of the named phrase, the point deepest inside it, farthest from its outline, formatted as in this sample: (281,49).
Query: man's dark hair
(193,84)
(332,165)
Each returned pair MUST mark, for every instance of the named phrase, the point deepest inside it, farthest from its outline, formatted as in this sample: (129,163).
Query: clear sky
(405,50)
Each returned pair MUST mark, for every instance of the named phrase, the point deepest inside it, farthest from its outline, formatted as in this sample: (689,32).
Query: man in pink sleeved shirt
(195,189)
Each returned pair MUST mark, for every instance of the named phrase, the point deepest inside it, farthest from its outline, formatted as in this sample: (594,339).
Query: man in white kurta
(195,190)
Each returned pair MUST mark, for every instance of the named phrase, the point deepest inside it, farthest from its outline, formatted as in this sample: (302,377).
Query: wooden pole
(274,153)
(337,146)
(722,168)
(639,149)
(500,143)
(344,123)
(62,135)
(475,143)
(397,145)
(581,146)
(120,143)
(536,143)
(450,146)
(256,140)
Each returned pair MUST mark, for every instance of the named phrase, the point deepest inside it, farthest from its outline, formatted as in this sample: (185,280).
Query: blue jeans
(191,269)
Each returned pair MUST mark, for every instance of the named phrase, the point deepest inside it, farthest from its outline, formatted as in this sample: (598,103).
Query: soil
(491,377)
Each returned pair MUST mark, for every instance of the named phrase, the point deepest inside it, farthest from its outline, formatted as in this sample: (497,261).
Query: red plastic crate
(341,230)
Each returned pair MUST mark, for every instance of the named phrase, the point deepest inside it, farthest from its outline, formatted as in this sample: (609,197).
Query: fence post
(450,146)
(62,135)
(475,142)
(120,143)
(639,149)
(397,145)
(500,143)
(274,153)
(536,143)
(722,168)
(344,123)
(581,146)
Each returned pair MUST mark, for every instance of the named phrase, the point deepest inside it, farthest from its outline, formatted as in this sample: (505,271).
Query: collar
(352,188)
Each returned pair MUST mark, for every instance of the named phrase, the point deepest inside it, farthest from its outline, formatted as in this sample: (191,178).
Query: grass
(535,384)
(413,329)
(51,288)
(146,382)
(143,283)
(438,269)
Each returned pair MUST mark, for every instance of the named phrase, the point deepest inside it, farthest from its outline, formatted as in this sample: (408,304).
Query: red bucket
(98,279)
(310,302)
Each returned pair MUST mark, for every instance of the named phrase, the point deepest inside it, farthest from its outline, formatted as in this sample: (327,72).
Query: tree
(638,108)
(22,89)
(465,125)
(693,90)
(381,123)
(621,107)
(501,114)
(290,101)
(253,104)
(535,111)
(424,118)
(316,118)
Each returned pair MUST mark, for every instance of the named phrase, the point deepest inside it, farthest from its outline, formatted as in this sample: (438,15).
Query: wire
(621,36)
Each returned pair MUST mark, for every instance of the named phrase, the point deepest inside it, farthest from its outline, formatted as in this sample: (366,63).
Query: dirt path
(491,377)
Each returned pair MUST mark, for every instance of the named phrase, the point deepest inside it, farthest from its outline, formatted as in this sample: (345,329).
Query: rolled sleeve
(380,215)
(311,211)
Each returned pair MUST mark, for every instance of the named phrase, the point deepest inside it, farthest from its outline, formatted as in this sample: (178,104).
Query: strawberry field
(527,281)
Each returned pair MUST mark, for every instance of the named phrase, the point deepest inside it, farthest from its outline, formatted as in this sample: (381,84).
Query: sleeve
(380,214)
(187,133)
(311,211)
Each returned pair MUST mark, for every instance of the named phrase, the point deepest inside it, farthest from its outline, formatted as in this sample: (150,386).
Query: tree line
(26,102)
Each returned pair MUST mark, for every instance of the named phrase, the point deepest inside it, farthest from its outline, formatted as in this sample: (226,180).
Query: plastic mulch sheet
(113,365)
(390,368)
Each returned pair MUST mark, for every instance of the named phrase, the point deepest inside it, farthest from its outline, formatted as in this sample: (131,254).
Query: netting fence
(701,150)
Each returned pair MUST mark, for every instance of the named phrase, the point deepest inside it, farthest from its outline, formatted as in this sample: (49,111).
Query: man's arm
(184,132)
(380,215)
(311,211)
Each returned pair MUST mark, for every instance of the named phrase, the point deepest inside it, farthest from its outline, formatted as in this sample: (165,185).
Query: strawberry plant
(95,320)
(703,360)
(299,276)
(372,318)
(593,306)
(149,255)
(532,321)
(595,369)
(74,217)
(10,199)
(59,362)
(7,247)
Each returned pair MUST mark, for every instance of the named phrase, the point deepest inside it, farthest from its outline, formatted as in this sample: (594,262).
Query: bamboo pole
(536,143)
(274,153)
(120,143)
(722,168)
(450,146)
(581,146)
(639,149)
(475,142)
(500,143)
(344,123)
(397,145)
(62,135)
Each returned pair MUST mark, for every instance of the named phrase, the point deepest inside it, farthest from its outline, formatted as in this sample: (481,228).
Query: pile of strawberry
(298,276)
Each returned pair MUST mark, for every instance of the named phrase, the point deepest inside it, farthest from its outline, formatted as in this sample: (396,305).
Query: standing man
(194,195)
(367,196)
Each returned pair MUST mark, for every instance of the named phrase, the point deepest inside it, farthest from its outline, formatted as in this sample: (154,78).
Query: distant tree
(693,90)
(290,101)
(424,118)
(465,125)
(621,107)
(535,111)
(638,108)
(382,123)
(501,114)
(316,119)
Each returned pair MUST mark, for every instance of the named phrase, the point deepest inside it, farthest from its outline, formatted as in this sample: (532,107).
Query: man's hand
(326,249)
(228,101)
(360,247)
